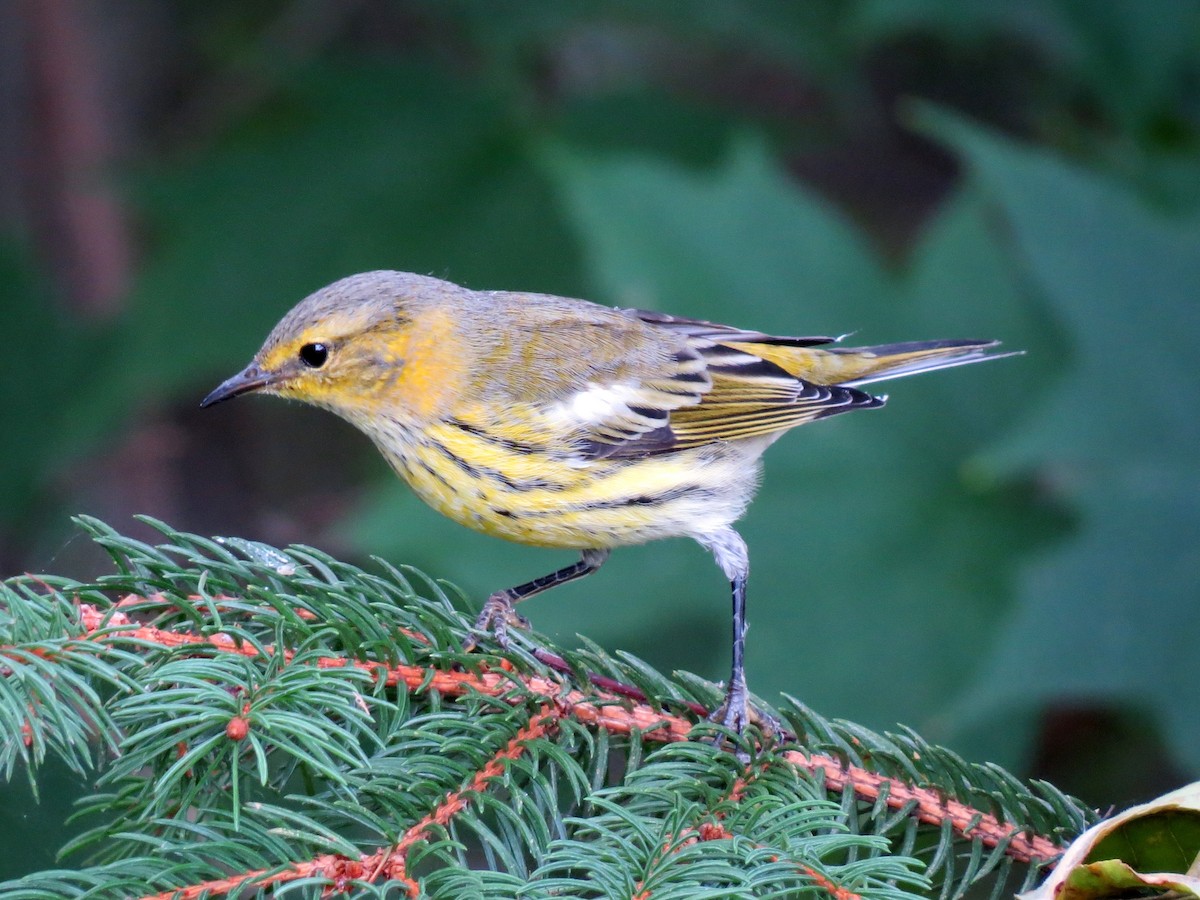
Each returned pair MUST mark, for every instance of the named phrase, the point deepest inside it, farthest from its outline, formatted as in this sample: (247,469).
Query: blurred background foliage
(1006,558)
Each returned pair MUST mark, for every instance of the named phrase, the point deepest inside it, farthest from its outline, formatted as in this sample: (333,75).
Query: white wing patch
(606,416)
(596,404)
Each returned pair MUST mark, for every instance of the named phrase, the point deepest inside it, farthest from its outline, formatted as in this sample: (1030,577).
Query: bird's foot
(733,714)
(496,617)
(737,713)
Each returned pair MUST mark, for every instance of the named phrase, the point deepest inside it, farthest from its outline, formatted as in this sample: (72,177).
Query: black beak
(249,379)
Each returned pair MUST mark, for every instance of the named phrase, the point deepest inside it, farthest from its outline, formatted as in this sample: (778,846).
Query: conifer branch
(712,829)
(228,670)
(613,713)
(392,861)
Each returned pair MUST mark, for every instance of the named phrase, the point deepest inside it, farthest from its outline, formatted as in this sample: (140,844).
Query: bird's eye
(314,355)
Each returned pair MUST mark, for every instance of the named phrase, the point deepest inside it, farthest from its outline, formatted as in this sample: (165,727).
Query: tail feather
(857,366)
(866,365)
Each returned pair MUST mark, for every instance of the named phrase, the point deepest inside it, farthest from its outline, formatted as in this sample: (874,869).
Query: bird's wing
(742,391)
(749,396)
(608,388)
(626,409)
(579,380)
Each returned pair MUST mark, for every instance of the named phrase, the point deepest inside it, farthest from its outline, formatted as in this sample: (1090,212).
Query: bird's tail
(857,366)
(865,365)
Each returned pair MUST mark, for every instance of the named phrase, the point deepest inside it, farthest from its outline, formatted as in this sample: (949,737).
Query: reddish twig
(931,807)
(395,861)
(606,711)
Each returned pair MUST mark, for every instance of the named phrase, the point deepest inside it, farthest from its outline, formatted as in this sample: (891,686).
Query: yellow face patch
(435,365)
(400,366)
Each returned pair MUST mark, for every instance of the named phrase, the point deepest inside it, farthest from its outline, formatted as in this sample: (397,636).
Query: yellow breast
(550,500)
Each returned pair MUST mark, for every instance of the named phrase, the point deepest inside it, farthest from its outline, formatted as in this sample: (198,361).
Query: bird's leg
(736,712)
(498,612)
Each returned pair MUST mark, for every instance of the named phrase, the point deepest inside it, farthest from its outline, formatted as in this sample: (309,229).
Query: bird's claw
(734,716)
(496,617)
(736,713)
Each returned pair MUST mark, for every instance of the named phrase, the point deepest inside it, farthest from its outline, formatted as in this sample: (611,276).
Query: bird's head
(348,346)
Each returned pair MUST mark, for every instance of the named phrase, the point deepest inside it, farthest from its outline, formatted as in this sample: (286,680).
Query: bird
(562,423)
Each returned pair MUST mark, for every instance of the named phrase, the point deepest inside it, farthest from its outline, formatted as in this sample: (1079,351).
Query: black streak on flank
(665,497)
(494,440)
(487,473)
(435,474)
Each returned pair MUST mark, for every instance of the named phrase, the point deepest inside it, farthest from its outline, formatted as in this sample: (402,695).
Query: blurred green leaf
(737,240)
(1111,617)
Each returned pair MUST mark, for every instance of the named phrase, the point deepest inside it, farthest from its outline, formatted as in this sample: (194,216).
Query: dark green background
(1006,558)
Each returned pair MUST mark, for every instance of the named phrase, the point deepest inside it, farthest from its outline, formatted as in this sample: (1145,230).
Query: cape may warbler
(560,423)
